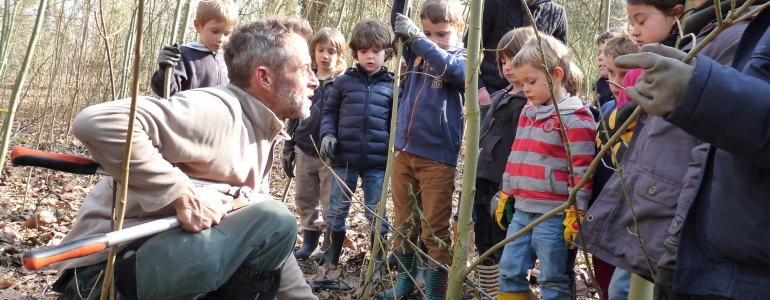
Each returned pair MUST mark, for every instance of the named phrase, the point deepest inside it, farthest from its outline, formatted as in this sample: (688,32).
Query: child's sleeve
(331,110)
(451,66)
(291,127)
(178,78)
(582,135)
(505,183)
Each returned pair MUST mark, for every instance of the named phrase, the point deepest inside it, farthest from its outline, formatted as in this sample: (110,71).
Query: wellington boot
(436,286)
(405,284)
(332,254)
(488,272)
(309,244)
(510,296)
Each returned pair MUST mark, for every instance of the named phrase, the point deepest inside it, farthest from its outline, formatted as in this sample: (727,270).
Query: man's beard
(294,103)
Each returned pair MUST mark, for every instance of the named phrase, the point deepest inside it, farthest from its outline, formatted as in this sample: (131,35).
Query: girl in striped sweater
(537,173)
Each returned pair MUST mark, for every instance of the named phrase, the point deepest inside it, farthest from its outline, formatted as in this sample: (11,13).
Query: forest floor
(38,207)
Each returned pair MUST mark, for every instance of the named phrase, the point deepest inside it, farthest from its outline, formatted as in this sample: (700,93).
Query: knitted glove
(504,212)
(289,156)
(328,143)
(406,29)
(169,55)
(664,81)
(570,225)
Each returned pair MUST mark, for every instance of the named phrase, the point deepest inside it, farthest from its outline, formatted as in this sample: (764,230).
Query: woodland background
(83,57)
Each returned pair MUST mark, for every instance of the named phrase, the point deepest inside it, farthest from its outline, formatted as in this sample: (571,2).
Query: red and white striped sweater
(537,175)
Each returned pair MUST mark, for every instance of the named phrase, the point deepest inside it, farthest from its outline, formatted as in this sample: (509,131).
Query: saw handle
(69,163)
(37,259)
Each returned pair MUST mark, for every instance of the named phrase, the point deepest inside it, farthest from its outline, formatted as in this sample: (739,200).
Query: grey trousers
(313,182)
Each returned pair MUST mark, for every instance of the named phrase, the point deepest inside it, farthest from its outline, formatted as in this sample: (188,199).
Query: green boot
(435,288)
(405,285)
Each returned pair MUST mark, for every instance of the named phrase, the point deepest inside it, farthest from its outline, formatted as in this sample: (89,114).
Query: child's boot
(332,254)
(511,296)
(488,272)
(405,285)
(436,285)
(309,244)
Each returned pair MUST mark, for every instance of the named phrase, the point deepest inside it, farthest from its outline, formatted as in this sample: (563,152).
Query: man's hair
(511,43)
(556,55)
(575,83)
(370,33)
(334,37)
(438,11)
(217,10)
(607,35)
(620,45)
(262,43)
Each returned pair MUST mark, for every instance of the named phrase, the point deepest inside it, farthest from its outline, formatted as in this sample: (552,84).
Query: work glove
(289,156)
(406,29)
(664,279)
(571,226)
(504,212)
(169,55)
(665,77)
(328,143)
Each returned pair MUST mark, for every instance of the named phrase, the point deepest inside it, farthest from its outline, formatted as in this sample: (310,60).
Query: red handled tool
(36,259)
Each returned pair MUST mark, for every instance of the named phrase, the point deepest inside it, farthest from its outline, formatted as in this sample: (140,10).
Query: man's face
(295,83)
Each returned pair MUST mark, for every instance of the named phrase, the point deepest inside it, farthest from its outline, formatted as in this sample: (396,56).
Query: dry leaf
(43,218)
(5,283)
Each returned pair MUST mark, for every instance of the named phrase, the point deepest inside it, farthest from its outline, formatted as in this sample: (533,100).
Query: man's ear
(557,75)
(263,78)
(197,25)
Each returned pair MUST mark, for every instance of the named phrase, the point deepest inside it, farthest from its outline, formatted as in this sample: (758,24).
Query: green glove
(406,29)
(504,211)
(328,143)
(665,77)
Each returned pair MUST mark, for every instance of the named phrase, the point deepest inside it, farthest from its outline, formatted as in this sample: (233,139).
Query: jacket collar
(362,73)
(567,106)
(259,115)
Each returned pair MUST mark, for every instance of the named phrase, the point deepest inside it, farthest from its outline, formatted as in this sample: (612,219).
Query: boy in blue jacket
(355,130)
(202,63)
(428,137)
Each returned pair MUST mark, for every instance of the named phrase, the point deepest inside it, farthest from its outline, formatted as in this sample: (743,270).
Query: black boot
(247,283)
(309,244)
(332,254)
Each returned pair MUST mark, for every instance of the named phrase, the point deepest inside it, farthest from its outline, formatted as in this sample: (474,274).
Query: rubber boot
(404,286)
(488,272)
(309,244)
(332,254)
(510,296)
(435,287)
(379,269)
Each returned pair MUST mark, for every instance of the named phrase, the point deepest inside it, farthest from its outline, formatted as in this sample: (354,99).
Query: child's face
(371,59)
(326,56)
(507,64)
(443,33)
(213,34)
(534,82)
(615,75)
(649,25)
(600,60)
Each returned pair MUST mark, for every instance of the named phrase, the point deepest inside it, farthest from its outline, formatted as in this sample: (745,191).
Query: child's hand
(328,144)
(169,55)
(406,29)
(288,161)
(570,226)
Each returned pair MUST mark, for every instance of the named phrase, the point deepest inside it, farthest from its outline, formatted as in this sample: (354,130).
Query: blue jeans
(619,284)
(339,202)
(545,241)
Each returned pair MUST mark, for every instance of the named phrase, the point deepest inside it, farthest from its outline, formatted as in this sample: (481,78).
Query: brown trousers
(313,182)
(433,184)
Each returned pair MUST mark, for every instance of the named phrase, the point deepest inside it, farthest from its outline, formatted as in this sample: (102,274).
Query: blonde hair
(511,43)
(334,37)
(575,83)
(556,55)
(370,33)
(438,11)
(218,10)
(620,45)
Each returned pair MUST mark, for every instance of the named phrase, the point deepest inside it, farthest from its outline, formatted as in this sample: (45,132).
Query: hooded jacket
(198,68)
(497,135)
(357,112)
(305,133)
(537,171)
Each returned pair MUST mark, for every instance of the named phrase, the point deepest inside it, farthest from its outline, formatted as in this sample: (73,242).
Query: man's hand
(169,55)
(200,208)
(328,144)
(570,225)
(406,29)
(664,81)
(289,156)
(484,98)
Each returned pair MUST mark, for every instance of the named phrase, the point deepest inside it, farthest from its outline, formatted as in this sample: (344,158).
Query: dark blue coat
(357,112)
(725,243)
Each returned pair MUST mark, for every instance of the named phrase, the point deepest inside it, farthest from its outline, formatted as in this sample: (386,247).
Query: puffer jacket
(357,112)
(497,133)
(301,130)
